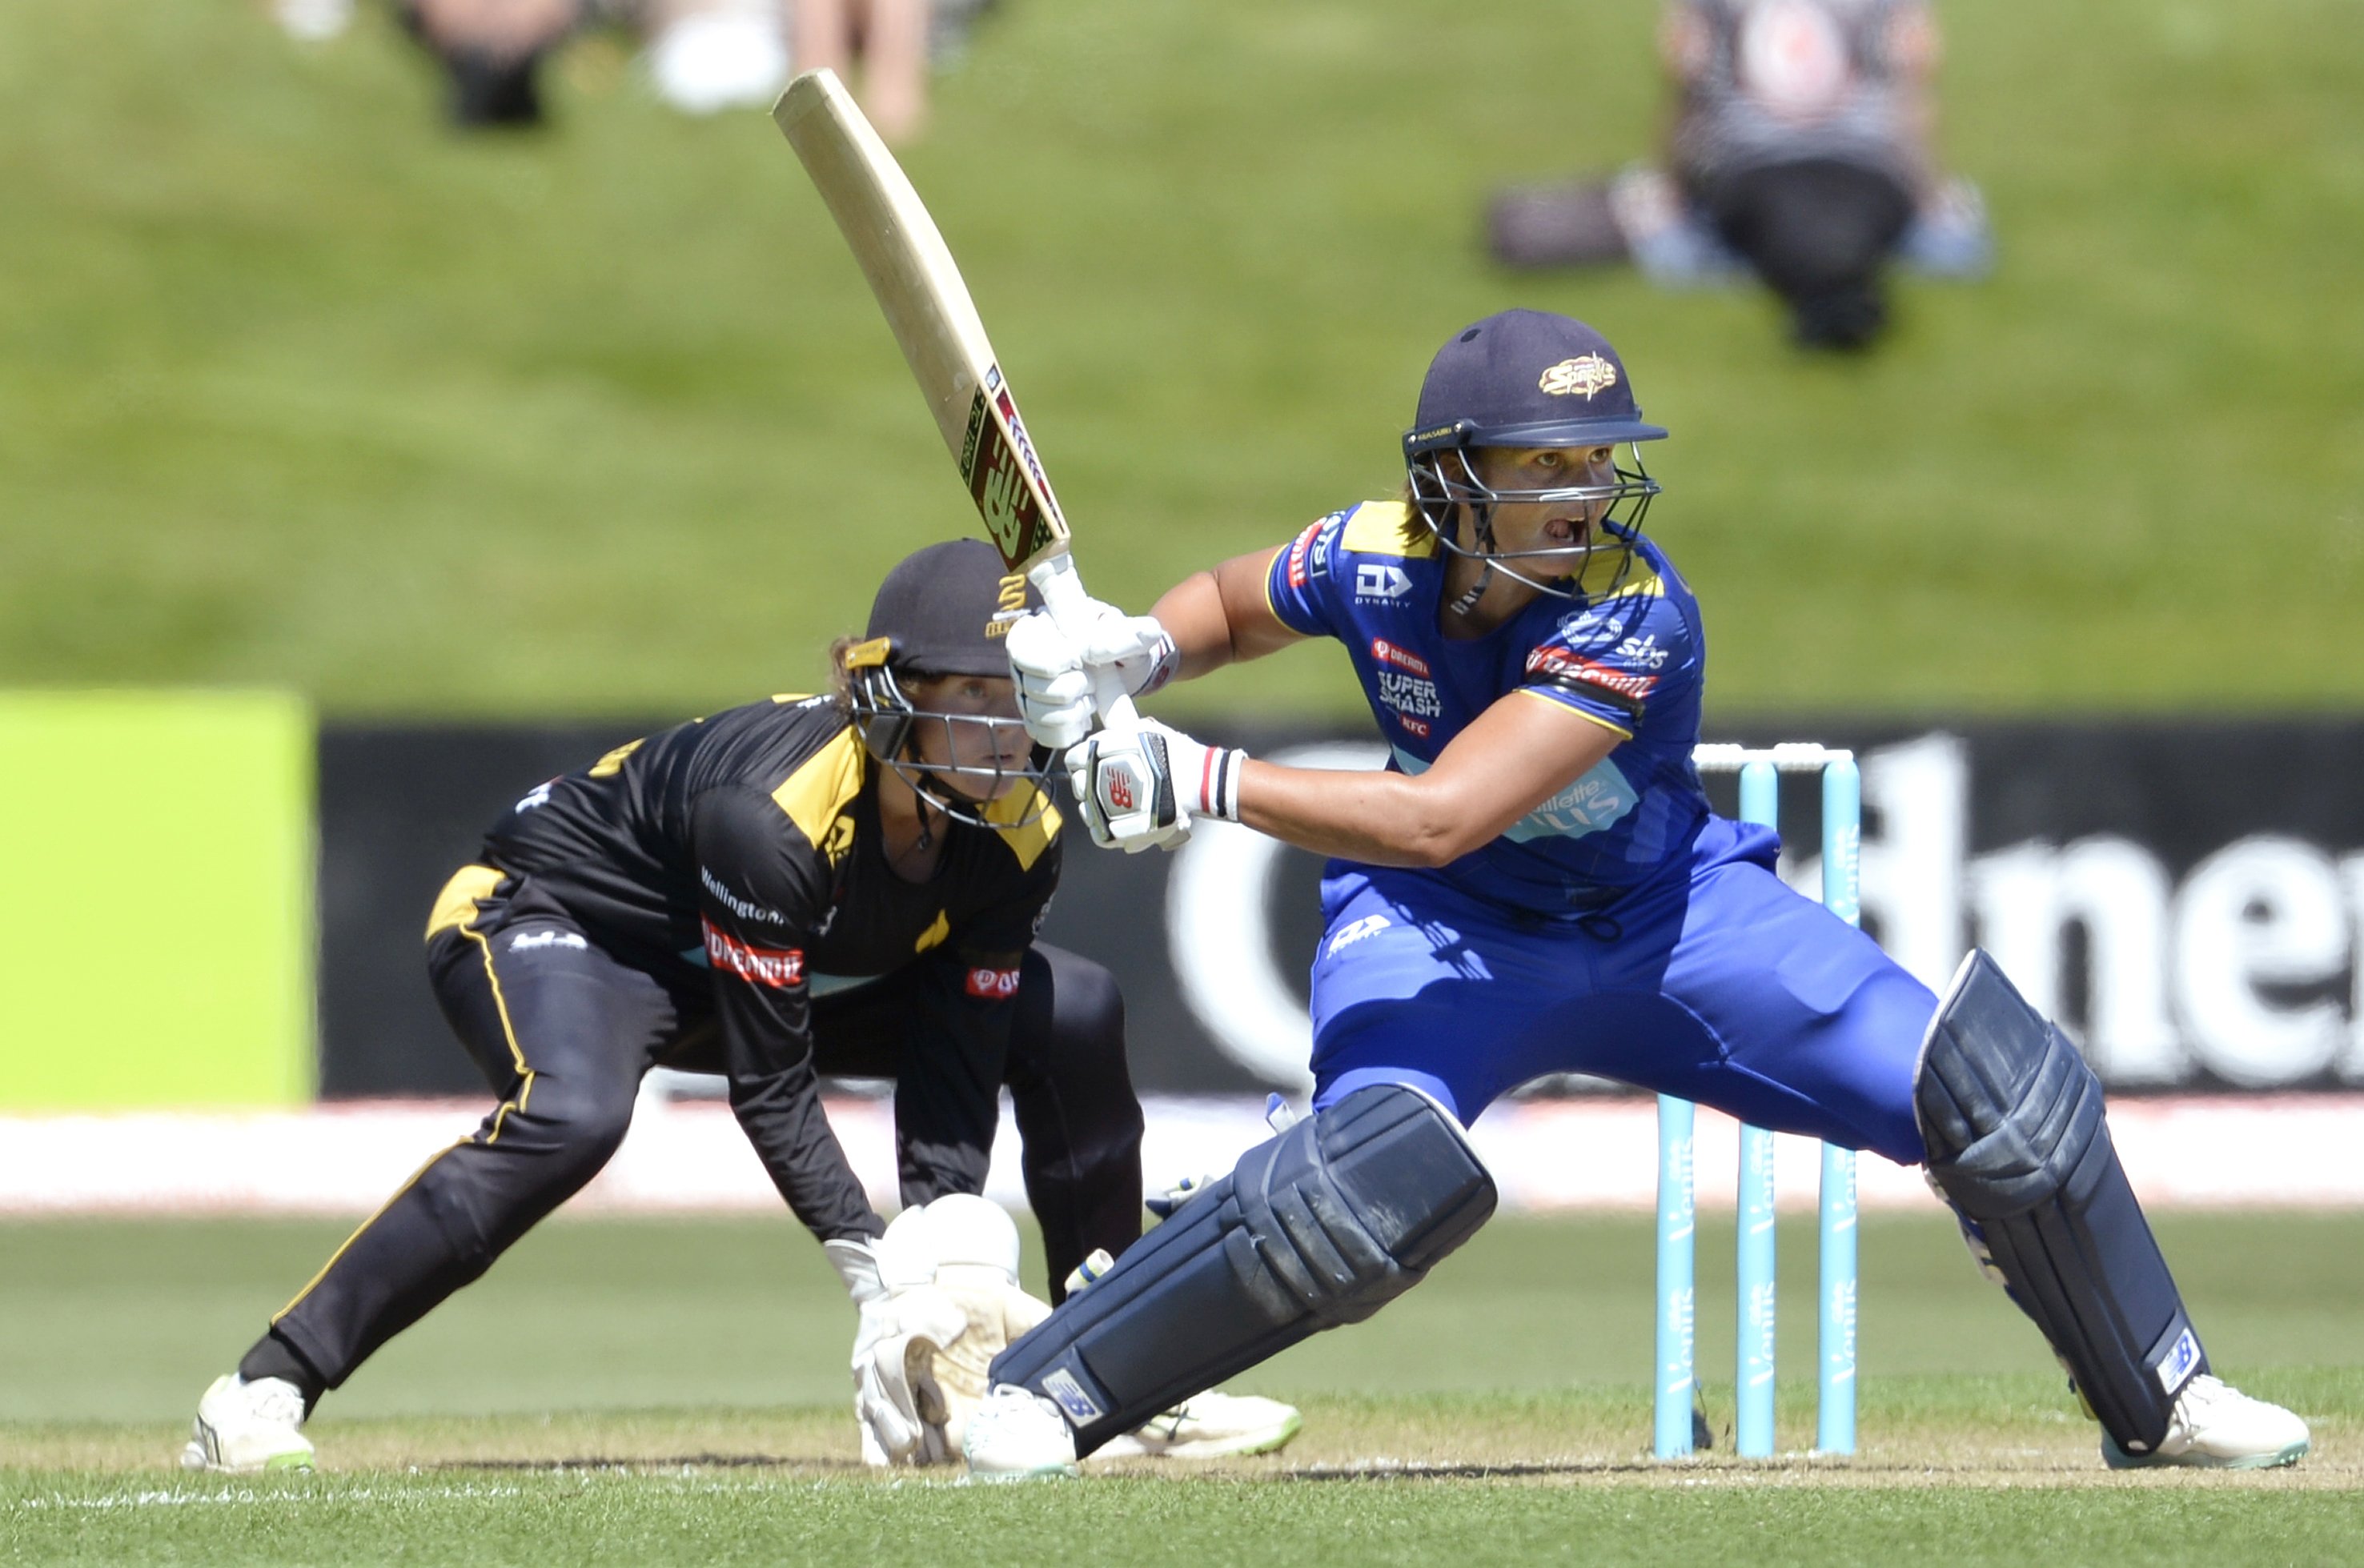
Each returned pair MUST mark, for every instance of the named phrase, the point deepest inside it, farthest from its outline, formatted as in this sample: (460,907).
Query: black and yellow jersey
(738,857)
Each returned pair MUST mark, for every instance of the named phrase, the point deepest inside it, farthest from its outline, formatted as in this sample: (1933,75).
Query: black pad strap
(1320,1226)
(2012,1120)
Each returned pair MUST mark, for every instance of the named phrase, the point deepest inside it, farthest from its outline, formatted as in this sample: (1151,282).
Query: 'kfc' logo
(993,984)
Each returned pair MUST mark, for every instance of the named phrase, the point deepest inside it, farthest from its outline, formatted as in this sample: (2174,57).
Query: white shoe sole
(1008,1477)
(195,1457)
(1232,1445)
(2118,1458)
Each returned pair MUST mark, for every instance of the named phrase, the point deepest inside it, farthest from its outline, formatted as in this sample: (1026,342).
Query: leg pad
(1320,1226)
(2012,1120)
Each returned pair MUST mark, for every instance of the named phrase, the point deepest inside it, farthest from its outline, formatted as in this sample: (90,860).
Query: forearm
(781,1115)
(1384,818)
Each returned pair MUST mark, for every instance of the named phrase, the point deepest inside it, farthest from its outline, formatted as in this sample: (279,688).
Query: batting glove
(1052,663)
(1140,785)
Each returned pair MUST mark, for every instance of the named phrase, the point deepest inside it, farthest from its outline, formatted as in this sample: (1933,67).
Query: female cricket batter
(1534,886)
(846,884)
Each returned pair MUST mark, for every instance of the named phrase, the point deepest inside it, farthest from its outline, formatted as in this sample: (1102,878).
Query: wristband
(1219,781)
(1164,659)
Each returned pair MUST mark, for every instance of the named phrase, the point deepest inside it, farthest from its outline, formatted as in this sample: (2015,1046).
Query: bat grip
(1062,588)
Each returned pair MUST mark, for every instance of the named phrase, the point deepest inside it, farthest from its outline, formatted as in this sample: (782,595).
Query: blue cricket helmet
(1526,378)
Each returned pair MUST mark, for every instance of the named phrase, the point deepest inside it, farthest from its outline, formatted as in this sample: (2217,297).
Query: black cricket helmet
(1527,379)
(942,611)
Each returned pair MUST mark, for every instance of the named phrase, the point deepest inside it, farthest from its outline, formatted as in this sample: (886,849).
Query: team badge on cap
(1587,374)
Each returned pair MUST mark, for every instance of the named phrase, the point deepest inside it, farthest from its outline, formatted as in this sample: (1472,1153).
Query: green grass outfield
(298,388)
(673,1391)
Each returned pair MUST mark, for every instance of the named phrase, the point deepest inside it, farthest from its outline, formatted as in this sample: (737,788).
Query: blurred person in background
(1800,150)
(845,884)
(889,38)
(701,56)
(492,51)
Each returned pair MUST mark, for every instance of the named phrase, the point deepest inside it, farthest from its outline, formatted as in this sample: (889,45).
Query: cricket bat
(928,307)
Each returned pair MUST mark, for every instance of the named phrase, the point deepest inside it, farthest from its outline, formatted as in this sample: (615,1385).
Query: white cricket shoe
(2217,1426)
(244,1427)
(1017,1435)
(1211,1426)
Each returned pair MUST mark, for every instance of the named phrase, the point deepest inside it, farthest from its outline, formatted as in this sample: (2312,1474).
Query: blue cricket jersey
(1626,655)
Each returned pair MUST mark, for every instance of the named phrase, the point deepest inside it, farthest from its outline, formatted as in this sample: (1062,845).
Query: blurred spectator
(1800,148)
(890,37)
(314,21)
(705,56)
(490,50)
(950,23)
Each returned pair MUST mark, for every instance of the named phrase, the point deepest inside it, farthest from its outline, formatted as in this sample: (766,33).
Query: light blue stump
(1834,1381)
(1752,1360)
(1678,1220)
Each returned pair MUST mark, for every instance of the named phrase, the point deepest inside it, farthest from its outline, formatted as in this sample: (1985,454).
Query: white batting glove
(1053,663)
(1140,785)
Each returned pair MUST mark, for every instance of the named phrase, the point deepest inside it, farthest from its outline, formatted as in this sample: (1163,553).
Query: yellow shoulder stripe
(1600,571)
(1026,840)
(611,765)
(817,793)
(456,904)
(1387,527)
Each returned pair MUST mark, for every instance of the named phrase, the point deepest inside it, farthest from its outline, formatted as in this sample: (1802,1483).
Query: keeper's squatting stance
(1537,884)
(848,884)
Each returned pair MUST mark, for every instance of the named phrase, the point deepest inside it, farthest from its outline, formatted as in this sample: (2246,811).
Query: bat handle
(1062,588)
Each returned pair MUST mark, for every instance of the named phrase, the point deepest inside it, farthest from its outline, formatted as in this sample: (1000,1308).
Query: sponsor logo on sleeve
(781,968)
(1562,663)
(525,941)
(1403,659)
(746,909)
(992,984)
(1643,651)
(1377,582)
(1300,549)
(538,796)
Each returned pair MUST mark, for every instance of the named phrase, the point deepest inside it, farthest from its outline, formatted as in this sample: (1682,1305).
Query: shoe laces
(276,1400)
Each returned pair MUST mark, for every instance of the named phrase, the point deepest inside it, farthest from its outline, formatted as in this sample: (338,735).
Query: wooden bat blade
(927,306)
